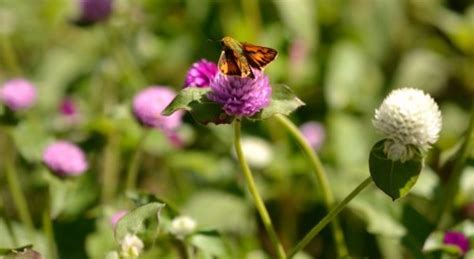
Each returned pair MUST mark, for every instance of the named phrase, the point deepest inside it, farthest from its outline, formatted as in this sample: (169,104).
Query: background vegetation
(340,57)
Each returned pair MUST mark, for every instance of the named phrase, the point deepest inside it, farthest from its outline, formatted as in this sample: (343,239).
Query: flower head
(65,159)
(408,118)
(92,11)
(314,133)
(201,74)
(117,216)
(458,239)
(67,107)
(182,226)
(257,151)
(18,94)
(131,246)
(241,96)
(148,105)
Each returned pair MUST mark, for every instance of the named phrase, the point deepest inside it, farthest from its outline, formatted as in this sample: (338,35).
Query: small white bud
(131,246)
(408,118)
(257,152)
(182,226)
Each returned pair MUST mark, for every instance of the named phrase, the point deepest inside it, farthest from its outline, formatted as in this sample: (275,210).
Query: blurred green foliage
(340,57)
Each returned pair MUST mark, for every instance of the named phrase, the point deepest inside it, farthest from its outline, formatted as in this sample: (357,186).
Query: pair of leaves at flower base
(204,111)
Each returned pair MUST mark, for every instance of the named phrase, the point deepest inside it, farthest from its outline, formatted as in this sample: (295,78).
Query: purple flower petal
(241,96)
(18,94)
(201,74)
(458,239)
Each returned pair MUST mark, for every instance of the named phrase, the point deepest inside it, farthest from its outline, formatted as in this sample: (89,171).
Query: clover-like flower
(92,11)
(201,74)
(241,96)
(409,119)
(148,105)
(18,94)
(131,246)
(65,159)
(182,226)
(457,239)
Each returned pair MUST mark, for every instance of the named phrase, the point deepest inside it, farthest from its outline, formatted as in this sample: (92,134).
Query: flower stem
(48,230)
(15,187)
(132,172)
(329,217)
(110,167)
(453,182)
(321,177)
(267,222)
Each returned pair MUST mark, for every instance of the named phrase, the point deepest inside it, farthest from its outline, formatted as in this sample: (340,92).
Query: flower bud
(131,246)
(457,239)
(182,226)
(314,133)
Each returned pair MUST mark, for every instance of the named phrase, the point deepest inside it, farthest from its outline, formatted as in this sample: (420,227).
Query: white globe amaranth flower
(409,119)
(182,226)
(131,246)
(257,151)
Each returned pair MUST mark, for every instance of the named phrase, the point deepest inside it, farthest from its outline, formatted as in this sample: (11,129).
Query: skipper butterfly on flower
(238,58)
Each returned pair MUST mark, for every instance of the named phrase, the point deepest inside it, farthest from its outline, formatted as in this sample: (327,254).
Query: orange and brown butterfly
(237,58)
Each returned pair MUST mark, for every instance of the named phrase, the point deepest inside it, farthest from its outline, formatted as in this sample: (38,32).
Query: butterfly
(237,58)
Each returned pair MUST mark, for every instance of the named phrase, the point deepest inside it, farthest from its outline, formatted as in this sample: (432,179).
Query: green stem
(15,187)
(321,177)
(48,230)
(132,172)
(453,182)
(329,217)
(110,167)
(266,220)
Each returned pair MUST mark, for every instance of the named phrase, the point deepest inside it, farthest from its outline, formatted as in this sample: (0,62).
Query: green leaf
(393,177)
(203,110)
(284,101)
(134,221)
(209,243)
(184,99)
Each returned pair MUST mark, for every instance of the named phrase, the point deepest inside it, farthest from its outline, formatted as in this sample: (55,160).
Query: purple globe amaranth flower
(458,239)
(201,74)
(92,11)
(67,107)
(65,159)
(241,96)
(148,105)
(314,133)
(18,94)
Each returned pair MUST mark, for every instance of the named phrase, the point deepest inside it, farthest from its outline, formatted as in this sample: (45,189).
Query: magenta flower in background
(148,105)
(201,74)
(92,11)
(67,107)
(117,216)
(314,133)
(65,159)
(241,96)
(458,239)
(18,94)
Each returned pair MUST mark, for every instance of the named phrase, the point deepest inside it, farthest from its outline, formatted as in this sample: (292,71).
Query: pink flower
(201,74)
(314,133)
(68,107)
(457,239)
(18,94)
(148,105)
(65,159)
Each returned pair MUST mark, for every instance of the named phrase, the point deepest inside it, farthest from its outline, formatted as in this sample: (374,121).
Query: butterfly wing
(257,56)
(234,64)
(227,64)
